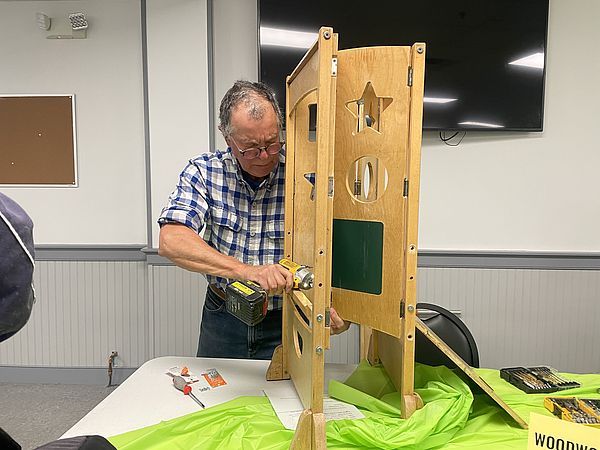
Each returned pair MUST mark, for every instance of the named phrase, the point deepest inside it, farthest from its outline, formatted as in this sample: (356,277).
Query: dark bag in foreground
(79,443)
(16,267)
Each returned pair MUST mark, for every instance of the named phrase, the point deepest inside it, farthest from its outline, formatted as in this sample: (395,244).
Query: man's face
(250,132)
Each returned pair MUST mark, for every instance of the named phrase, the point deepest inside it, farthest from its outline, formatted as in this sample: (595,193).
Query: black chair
(452,331)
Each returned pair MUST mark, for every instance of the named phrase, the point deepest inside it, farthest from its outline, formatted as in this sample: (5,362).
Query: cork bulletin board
(37,140)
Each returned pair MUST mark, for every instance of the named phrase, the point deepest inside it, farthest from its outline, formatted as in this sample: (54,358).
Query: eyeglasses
(254,152)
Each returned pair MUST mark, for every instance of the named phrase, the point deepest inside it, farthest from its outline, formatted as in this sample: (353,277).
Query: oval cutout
(367,179)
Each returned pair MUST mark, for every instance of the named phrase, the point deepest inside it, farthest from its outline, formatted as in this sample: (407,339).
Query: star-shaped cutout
(311,177)
(368,108)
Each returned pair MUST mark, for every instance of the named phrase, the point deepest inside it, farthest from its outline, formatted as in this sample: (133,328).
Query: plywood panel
(300,353)
(309,215)
(304,79)
(304,211)
(373,81)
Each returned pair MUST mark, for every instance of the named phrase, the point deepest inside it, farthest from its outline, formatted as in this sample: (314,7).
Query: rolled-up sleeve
(188,204)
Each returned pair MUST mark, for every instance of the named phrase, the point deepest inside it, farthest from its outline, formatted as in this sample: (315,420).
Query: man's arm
(188,250)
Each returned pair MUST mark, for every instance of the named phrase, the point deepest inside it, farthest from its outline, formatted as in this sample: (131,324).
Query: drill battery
(247,301)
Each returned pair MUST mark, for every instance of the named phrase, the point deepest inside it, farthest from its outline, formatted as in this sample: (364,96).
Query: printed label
(243,288)
(214,378)
(555,434)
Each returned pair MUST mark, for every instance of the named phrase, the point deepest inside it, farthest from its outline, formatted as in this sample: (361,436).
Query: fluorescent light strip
(536,61)
(482,124)
(287,38)
(438,100)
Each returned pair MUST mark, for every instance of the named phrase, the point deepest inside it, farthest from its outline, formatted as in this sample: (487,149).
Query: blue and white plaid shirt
(214,200)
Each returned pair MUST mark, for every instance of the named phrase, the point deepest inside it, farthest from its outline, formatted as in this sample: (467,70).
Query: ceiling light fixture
(438,100)
(535,61)
(482,124)
(287,38)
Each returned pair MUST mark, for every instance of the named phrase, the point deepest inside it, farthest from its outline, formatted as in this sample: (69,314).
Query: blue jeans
(224,336)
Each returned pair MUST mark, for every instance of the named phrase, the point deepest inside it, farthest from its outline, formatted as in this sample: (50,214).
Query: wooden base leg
(302,437)
(310,432)
(319,437)
(276,371)
(410,403)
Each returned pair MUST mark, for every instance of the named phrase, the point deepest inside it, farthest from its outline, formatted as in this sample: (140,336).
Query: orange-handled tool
(183,386)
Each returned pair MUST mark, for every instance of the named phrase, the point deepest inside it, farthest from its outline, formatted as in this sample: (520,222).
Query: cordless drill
(248,301)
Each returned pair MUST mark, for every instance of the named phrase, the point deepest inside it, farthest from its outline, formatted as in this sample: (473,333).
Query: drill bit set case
(577,410)
(536,380)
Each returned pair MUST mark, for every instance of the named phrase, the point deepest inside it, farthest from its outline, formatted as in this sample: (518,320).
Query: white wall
(104,72)
(177,93)
(498,191)
(235,49)
(527,191)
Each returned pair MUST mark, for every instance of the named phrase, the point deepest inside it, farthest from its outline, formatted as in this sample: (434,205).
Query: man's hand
(337,325)
(272,277)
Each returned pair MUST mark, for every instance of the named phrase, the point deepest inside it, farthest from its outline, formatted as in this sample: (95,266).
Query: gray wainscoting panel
(345,347)
(84,311)
(87,309)
(523,317)
(178,298)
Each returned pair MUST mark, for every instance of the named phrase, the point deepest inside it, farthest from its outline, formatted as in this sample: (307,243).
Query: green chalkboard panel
(357,255)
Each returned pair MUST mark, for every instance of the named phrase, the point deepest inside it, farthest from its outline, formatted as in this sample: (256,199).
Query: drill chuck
(303,277)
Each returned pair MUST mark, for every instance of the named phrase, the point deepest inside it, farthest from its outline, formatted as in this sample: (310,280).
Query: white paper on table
(288,407)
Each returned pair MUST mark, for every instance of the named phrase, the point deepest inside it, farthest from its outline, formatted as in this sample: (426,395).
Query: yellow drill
(247,301)
(303,277)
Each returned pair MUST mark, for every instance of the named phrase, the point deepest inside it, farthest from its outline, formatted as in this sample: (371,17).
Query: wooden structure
(352,213)
(308,233)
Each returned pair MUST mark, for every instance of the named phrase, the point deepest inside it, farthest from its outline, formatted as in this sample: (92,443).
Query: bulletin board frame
(38,140)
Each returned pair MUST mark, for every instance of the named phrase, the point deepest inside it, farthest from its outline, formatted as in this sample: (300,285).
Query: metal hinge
(410,75)
(405,191)
(330,187)
(401,308)
(334,67)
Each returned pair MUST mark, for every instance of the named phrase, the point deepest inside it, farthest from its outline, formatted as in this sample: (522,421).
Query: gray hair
(252,95)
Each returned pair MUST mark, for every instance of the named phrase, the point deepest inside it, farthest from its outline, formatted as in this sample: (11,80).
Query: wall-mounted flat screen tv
(485,63)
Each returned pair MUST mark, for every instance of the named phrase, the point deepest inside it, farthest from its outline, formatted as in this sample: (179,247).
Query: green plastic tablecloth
(452,418)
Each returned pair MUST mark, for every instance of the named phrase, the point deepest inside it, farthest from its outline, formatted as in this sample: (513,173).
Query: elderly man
(225,220)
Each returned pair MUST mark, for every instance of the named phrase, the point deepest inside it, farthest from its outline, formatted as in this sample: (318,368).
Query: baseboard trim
(476,259)
(53,252)
(509,260)
(63,375)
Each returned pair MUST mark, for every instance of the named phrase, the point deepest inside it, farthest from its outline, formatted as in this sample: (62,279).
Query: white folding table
(148,396)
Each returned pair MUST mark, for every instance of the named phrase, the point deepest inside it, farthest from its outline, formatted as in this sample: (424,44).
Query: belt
(217,291)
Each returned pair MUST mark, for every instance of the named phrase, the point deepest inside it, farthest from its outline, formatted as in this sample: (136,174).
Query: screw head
(419,49)
(319,350)
(319,317)
(411,308)
(326,34)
